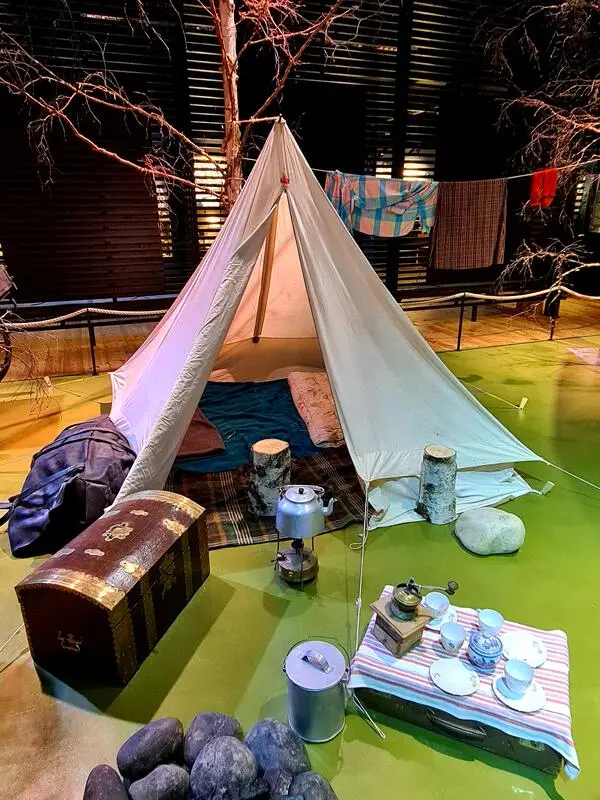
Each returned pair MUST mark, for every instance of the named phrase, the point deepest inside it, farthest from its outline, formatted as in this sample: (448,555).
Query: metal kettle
(300,512)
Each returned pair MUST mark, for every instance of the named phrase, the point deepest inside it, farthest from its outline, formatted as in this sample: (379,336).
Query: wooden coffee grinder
(401,618)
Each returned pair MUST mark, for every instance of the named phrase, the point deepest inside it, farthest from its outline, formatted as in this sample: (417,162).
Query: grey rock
(224,770)
(167,782)
(205,727)
(158,742)
(280,753)
(104,783)
(311,786)
(488,531)
(257,790)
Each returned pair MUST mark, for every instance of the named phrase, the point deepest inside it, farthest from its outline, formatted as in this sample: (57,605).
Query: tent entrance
(275,302)
(273,332)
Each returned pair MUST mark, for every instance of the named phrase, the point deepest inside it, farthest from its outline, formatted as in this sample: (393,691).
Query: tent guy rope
(363,544)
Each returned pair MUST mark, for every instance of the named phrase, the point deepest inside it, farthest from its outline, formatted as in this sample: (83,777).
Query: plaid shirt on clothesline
(382,206)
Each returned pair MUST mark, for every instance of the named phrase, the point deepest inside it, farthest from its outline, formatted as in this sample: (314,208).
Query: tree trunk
(229,68)
(270,471)
(437,491)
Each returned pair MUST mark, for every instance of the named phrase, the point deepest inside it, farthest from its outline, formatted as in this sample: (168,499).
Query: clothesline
(508,178)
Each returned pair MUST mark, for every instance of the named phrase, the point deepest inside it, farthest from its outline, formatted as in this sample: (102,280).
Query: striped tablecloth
(374,667)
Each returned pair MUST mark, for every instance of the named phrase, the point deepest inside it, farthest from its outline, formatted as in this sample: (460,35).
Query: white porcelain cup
(437,603)
(452,635)
(517,676)
(490,622)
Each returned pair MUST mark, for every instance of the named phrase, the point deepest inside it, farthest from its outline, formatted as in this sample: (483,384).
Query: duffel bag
(70,483)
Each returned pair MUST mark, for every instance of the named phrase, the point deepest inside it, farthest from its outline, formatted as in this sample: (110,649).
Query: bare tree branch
(282,27)
(549,53)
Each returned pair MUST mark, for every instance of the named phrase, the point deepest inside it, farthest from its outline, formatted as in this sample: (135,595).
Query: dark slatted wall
(91,227)
(446,65)
(366,53)
(92,232)
(379,101)
(206,115)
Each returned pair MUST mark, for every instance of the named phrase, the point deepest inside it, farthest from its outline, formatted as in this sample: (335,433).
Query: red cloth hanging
(543,188)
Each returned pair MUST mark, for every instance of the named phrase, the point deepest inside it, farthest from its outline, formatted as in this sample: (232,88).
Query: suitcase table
(98,606)
(532,754)
(402,688)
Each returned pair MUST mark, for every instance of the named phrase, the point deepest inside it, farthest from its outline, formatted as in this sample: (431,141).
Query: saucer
(450,615)
(453,677)
(524,647)
(533,700)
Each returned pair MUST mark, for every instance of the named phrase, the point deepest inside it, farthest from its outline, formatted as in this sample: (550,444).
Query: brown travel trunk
(98,606)
(533,754)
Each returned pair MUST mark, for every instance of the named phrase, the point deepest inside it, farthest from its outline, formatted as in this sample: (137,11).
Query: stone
(311,786)
(487,531)
(104,783)
(205,727)
(166,782)
(158,742)
(225,769)
(280,753)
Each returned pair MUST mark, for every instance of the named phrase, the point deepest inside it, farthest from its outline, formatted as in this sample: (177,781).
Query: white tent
(284,266)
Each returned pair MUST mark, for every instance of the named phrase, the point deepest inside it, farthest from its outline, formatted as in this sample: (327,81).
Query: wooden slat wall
(93,232)
(206,114)
(445,56)
(97,229)
(396,62)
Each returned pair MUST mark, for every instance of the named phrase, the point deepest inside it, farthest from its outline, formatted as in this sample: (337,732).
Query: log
(437,490)
(270,471)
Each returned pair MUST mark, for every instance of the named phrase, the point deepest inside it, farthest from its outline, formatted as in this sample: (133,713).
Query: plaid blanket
(225,497)
(382,206)
(470,225)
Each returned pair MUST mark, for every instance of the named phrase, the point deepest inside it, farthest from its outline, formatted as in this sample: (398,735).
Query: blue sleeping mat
(244,413)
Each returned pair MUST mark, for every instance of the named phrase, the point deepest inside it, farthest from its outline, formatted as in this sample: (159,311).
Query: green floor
(225,651)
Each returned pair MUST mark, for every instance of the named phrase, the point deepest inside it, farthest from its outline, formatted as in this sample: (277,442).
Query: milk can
(316,679)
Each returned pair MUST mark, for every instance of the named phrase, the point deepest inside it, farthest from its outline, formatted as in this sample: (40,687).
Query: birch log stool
(271,467)
(437,491)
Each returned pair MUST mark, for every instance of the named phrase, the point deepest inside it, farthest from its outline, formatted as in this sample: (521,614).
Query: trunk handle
(457,728)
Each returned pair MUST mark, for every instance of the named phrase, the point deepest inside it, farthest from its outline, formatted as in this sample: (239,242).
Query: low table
(403,689)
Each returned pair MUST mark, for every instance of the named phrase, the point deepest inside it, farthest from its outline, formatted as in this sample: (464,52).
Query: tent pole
(265,281)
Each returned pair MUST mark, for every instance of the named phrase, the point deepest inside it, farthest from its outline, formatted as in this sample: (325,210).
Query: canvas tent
(285,266)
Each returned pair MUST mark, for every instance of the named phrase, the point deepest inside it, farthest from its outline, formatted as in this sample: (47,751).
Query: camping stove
(300,514)
(297,564)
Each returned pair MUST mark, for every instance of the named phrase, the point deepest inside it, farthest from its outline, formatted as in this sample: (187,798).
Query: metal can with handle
(316,686)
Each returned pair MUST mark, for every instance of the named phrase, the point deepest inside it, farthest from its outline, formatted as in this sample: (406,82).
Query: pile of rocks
(211,761)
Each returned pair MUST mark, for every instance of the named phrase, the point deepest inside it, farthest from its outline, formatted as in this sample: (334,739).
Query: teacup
(517,676)
(437,603)
(490,622)
(452,635)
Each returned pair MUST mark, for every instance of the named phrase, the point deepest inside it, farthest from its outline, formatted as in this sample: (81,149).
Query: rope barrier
(573,293)
(495,298)
(80,312)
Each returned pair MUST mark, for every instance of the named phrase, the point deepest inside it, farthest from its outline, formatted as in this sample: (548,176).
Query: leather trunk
(97,607)
(486,737)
